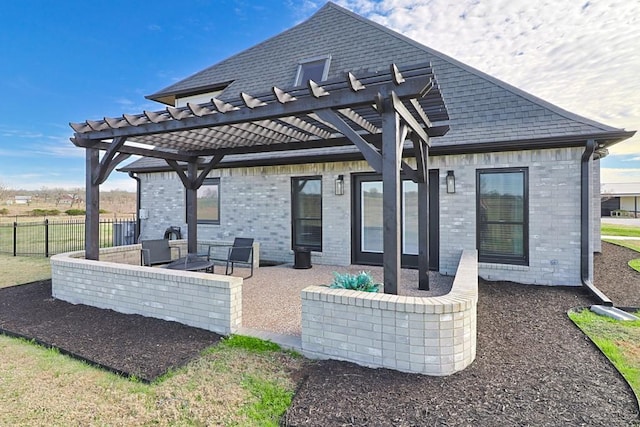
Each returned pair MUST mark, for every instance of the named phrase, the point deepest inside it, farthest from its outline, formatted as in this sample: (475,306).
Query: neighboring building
(524,173)
(22,200)
(621,199)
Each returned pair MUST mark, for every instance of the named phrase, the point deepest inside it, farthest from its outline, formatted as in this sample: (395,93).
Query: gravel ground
(271,298)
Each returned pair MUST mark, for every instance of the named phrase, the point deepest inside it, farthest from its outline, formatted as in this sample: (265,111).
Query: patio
(433,335)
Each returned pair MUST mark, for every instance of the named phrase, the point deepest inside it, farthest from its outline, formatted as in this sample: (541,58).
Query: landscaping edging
(204,300)
(427,335)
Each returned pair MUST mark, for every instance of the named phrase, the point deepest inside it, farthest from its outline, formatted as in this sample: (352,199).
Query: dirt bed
(124,343)
(533,367)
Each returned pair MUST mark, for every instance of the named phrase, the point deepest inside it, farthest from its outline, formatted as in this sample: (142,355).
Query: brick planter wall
(431,335)
(118,282)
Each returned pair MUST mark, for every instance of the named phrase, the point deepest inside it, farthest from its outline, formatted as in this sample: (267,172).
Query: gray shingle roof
(482,109)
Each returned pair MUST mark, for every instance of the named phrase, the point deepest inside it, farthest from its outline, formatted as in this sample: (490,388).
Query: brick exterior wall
(433,336)
(204,300)
(256,202)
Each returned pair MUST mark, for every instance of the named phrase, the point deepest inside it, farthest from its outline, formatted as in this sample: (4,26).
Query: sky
(68,61)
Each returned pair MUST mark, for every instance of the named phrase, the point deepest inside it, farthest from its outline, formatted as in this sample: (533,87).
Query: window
(315,69)
(306,212)
(209,201)
(502,216)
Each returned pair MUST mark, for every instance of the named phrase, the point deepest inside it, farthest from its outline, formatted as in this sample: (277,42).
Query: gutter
(585,223)
(138,185)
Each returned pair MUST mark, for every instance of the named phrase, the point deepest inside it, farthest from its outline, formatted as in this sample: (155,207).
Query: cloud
(619,175)
(583,57)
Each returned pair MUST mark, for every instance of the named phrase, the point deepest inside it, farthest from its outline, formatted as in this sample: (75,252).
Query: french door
(367,232)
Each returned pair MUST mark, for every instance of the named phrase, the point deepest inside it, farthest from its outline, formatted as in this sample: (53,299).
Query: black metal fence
(50,237)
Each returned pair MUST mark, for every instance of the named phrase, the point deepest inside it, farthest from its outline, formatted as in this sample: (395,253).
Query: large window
(502,215)
(209,202)
(306,212)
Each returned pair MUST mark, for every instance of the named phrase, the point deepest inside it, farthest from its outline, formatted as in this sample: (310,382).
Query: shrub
(75,212)
(357,282)
(4,211)
(45,212)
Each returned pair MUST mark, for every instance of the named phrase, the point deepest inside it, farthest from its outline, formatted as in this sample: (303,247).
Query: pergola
(376,112)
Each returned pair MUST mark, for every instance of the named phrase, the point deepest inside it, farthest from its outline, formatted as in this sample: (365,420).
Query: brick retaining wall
(118,282)
(428,335)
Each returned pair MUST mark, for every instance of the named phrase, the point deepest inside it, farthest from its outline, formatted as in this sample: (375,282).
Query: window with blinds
(502,216)
(306,212)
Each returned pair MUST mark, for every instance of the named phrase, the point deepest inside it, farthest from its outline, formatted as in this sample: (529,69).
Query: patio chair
(156,252)
(241,252)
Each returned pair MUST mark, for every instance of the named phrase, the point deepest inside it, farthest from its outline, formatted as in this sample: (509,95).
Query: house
(620,199)
(22,200)
(509,174)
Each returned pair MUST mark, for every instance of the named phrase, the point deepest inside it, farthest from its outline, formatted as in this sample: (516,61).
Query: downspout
(132,175)
(585,223)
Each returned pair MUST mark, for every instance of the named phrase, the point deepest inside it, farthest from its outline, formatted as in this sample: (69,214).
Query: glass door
(368,226)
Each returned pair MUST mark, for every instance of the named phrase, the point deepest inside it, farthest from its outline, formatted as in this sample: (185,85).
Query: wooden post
(423,234)
(391,156)
(192,208)
(92,218)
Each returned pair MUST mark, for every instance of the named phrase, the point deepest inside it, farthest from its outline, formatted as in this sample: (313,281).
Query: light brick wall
(554,214)
(433,336)
(256,202)
(208,301)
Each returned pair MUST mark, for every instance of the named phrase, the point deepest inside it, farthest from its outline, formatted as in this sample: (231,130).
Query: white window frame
(325,71)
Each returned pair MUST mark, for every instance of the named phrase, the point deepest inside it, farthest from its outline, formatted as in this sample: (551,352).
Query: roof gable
(482,109)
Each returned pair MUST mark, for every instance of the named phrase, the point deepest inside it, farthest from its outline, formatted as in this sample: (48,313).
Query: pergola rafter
(391,106)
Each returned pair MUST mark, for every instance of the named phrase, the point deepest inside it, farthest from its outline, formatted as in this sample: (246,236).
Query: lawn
(618,340)
(241,381)
(17,270)
(237,382)
(624,230)
(619,230)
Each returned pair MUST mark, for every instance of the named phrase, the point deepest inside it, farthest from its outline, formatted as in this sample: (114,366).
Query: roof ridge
(504,85)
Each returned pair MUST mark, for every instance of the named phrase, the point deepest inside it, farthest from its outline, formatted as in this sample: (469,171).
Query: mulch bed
(127,344)
(615,278)
(533,367)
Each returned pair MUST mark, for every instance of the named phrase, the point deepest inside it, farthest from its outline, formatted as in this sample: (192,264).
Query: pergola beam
(371,155)
(337,99)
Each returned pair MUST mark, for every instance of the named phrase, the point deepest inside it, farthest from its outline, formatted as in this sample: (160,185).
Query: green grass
(228,385)
(624,230)
(619,230)
(618,340)
(18,270)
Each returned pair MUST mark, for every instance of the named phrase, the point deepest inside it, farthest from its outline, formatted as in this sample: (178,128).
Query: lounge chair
(241,252)
(156,252)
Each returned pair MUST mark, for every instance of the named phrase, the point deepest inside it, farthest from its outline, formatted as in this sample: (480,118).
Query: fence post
(15,237)
(46,237)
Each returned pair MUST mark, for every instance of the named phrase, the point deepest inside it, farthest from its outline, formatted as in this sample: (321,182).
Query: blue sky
(69,61)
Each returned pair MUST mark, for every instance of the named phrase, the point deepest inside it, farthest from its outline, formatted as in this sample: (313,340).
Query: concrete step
(289,342)
(614,313)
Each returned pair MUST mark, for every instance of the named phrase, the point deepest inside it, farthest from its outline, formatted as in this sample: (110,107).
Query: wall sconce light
(451,182)
(340,185)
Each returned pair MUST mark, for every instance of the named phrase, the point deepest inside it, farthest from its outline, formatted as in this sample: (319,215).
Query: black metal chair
(157,251)
(241,252)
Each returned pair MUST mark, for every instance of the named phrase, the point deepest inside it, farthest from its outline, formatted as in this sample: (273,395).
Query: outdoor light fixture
(451,182)
(340,185)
